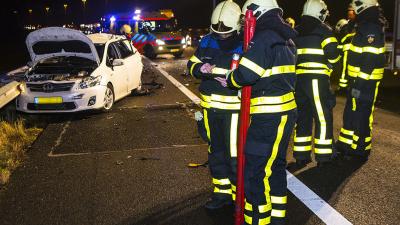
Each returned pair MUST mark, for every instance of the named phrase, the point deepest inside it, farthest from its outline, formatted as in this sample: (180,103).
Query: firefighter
(269,67)
(366,60)
(345,32)
(127,31)
(210,63)
(317,51)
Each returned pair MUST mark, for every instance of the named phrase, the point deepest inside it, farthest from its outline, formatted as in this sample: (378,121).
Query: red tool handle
(249,30)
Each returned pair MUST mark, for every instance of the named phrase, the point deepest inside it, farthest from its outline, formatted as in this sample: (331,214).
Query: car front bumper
(169,49)
(72,101)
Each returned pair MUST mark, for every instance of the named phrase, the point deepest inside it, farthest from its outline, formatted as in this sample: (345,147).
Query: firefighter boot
(218,201)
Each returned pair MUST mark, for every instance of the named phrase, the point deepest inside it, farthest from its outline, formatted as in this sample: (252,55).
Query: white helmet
(259,7)
(226,17)
(340,24)
(317,9)
(361,5)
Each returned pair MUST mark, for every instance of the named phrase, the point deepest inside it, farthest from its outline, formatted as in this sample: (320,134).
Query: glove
(206,68)
(222,81)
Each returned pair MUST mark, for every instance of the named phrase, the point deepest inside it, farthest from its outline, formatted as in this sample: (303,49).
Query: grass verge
(15,139)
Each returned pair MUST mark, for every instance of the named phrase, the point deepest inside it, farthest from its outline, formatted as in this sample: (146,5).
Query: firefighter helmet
(361,5)
(340,24)
(317,9)
(225,18)
(291,22)
(260,7)
(126,29)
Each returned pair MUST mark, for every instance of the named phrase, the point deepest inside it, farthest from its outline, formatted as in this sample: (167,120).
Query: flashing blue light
(138,11)
(113,19)
(137,17)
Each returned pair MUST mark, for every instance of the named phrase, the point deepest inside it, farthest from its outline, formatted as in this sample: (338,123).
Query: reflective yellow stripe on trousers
(274,153)
(321,117)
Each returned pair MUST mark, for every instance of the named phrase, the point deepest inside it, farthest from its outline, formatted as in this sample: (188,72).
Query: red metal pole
(249,29)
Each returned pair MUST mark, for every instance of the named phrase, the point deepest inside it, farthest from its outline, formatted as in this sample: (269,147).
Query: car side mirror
(118,62)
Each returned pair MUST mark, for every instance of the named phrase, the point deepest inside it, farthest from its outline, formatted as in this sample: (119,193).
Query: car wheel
(109,98)
(149,52)
(178,54)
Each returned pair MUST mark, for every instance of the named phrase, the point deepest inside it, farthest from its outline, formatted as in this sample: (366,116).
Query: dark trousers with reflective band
(315,103)
(222,130)
(265,170)
(355,136)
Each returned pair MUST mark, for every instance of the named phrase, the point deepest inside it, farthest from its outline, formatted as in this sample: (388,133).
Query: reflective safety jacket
(213,95)
(317,48)
(344,46)
(367,51)
(269,66)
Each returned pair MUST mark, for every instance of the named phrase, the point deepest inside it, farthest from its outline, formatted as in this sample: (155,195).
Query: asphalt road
(129,166)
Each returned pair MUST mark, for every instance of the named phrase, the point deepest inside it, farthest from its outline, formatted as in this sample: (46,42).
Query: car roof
(103,38)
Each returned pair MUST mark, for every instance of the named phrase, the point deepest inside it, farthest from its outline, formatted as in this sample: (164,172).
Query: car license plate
(48,100)
(174,50)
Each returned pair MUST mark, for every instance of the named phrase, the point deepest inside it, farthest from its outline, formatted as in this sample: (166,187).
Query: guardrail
(9,92)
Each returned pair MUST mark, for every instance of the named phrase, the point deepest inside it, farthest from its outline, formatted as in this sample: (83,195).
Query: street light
(47,14)
(84,10)
(65,8)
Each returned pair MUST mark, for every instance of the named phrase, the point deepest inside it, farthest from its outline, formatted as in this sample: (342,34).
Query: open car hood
(57,41)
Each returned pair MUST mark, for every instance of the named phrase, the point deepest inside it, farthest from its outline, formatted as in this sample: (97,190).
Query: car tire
(178,55)
(149,52)
(109,99)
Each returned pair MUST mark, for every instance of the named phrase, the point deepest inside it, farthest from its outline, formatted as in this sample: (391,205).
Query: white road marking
(177,84)
(316,204)
(59,139)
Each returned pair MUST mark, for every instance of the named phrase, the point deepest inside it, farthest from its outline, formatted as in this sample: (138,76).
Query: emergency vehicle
(154,33)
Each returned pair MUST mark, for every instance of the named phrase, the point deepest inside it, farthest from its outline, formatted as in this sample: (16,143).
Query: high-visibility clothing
(221,107)
(269,67)
(365,64)
(213,94)
(222,131)
(345,44)
(317,50)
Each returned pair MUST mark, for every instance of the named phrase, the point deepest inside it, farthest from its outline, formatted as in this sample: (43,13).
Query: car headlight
(90,81)
(160,42)
(183,41)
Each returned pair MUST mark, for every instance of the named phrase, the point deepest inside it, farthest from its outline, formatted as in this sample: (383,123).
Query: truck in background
(154,33)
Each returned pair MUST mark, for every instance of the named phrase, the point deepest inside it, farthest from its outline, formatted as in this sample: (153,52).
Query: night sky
(190,13)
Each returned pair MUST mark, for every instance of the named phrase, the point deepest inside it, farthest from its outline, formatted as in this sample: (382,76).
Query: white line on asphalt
(52,155)
(316,204)
(180,86)
(59,139)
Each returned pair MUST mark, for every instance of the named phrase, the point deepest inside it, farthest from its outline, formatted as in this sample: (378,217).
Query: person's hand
(222,81)
(207,68)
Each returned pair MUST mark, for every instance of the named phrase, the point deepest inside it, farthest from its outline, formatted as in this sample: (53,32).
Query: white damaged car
(72,72)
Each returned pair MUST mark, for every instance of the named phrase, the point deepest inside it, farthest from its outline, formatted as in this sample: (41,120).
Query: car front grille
(50,87)
(173,42)
(51,107)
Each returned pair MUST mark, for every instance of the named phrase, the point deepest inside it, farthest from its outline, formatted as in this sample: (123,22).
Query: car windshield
(158,25)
